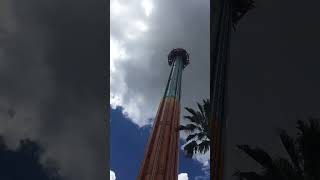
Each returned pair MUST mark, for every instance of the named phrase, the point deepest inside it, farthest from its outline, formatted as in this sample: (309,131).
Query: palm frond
(290,147)
(304,162)
(286,170)
(191,136)
(207,107)
(309,147)
(301,126)
(248,176)
(190,148)
(239,9)
(191,111)
(198,129)
(204,146)
(190,128)
(258,155)
(194,119)
(199,136)
(314,124)
(200,107)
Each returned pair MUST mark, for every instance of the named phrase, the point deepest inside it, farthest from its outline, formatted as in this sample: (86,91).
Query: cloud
(138,60)
(139,68)
(28,155)
(183,176)
(203,158)
(7,17)
(206,176)
(148,7)
(53,67)
(112,175)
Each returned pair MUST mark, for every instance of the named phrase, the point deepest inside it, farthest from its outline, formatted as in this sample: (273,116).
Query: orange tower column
(160,160)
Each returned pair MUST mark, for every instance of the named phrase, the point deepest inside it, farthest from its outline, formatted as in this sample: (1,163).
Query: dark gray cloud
(274,77)
(53,72)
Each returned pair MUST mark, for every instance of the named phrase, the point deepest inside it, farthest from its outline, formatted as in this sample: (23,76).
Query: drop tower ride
(160,160)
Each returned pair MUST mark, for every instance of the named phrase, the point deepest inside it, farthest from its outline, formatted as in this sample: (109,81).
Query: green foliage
(198,129)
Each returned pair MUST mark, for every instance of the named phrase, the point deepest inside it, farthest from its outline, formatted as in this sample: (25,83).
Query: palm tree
(198,129)
(239,9)
(303,152)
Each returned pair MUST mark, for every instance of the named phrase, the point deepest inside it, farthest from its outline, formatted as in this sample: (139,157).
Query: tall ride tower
(161,155)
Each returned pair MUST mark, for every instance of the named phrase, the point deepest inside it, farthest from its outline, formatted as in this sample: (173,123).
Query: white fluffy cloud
(206,175)
(112,175)
(183,176)
(203,158)
(142,34)
(124,14)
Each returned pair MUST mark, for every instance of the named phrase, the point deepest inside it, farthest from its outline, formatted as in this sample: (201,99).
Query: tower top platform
(178,52)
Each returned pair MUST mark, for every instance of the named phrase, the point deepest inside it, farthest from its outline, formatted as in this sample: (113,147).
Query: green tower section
(173,88)
(178,59)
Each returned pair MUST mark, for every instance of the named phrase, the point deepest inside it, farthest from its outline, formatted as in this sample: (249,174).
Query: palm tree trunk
(220,27)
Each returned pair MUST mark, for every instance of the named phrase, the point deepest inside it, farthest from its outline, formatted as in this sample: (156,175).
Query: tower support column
(161,155)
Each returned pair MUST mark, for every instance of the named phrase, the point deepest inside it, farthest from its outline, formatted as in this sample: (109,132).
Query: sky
(142,33)
(52,67)
(25,162)
(53,63)
(127,148)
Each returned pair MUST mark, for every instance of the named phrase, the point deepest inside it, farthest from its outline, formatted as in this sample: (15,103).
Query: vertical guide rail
(220,28)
